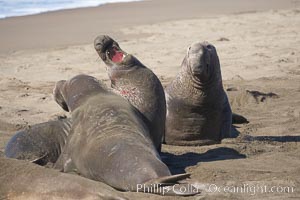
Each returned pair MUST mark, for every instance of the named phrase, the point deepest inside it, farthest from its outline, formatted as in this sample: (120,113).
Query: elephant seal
(40,143)
(135,82)
(24,180)
(198,111)
(108,141)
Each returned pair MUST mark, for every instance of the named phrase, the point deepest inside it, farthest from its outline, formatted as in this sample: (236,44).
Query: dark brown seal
(198,111)
(134,81)
(23,180)
(108,142)
(40,143)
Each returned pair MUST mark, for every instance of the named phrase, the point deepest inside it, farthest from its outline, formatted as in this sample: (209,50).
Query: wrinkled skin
(108,141)
(135,82)
(23,180)
(198,111)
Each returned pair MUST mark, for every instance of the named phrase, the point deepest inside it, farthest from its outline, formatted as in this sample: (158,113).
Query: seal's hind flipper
(40,161)
(169,180)
(169,186)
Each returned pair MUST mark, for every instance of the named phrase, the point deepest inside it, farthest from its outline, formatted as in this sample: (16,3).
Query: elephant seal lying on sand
(23,180)
(40,143)
(108,141)
(134,81)
(198,111)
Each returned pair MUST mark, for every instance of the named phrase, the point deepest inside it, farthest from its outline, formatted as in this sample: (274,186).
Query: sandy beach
(258,43)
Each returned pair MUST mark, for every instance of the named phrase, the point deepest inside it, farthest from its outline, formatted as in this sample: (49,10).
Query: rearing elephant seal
(108,141)
(198,111)
(42,143)
(132,80)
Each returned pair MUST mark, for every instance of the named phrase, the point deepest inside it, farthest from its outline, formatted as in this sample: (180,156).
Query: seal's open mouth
(110,52)
(115,54)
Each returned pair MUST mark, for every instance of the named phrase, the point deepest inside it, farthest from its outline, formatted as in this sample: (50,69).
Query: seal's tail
(169,186)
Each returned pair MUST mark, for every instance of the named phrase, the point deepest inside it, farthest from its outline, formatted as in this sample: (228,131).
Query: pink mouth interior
(115,55)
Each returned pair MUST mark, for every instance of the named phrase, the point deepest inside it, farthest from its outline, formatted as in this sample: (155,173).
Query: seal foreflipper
(239,119)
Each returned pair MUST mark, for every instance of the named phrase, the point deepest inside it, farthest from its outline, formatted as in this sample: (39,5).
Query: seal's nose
(57,94)
(196,48)
(101,42)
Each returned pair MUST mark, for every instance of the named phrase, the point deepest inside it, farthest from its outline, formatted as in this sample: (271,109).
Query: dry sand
(259,51)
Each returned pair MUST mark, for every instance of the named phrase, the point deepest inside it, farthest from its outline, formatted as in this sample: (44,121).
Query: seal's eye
(115,55)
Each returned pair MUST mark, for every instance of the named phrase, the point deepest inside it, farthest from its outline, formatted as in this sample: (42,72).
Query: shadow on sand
(178,163)
(287,138)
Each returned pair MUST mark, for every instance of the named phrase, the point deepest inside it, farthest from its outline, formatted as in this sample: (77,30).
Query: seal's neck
(200,81)
(191,88)
(77,90)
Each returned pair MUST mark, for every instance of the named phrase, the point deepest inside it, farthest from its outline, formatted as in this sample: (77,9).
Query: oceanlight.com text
(250,189)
